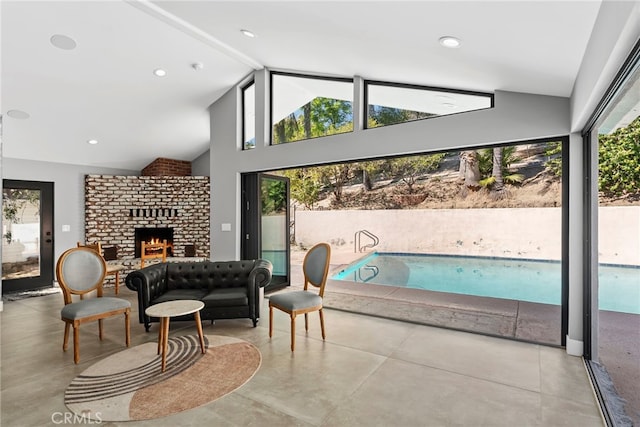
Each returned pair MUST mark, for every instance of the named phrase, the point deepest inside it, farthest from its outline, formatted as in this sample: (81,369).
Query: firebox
(153,235)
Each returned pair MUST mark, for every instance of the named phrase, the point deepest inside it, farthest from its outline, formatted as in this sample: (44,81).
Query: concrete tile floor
(369,371)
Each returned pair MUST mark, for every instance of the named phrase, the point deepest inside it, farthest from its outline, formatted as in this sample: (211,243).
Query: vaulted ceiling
(100,85)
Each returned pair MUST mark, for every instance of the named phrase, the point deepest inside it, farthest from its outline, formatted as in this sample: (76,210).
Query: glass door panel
(274,226)
(27,241)
(20,233)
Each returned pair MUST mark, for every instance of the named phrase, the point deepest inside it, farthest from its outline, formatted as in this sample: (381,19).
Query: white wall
(531,233)
(68,193)
(616,31)
(201,166)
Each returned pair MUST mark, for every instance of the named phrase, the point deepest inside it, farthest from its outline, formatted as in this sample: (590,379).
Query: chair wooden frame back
(153,251)
(68,288)
(314,273)
(112,269)
(77,275)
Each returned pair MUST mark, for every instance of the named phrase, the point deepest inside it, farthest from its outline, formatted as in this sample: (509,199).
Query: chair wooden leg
(117,281)
(322,323)
(270,321)
(65,343)
(100,329)
(306,322)
(76,343)
(293,331)
(127,325)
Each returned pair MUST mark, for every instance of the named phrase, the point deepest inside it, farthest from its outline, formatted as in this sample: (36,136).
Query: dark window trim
(564,320)
(612,91)
(242,91)
(365,118)
(627,68)
(304,76)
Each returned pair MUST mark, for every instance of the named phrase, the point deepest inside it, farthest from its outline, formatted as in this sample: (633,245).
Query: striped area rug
(129,385)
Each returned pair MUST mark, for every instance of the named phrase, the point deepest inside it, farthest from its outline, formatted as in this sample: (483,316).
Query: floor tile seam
(458,373)
(348,398)
(35,308)
(271,407)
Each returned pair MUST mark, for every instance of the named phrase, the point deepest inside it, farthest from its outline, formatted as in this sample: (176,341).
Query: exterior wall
(532,233)
(109,201)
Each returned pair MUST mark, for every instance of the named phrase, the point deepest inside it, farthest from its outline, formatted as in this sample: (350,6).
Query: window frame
(304,76)
(368,83)
(243,90)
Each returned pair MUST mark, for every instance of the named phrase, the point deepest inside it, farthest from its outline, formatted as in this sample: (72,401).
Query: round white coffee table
(165,311)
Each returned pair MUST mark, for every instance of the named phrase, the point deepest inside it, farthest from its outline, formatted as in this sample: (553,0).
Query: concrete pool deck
(492,316)
(619,335)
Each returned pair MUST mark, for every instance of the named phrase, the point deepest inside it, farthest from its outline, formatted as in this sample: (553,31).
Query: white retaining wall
(518,233)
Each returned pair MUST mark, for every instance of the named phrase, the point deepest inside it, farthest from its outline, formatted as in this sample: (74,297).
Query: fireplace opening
(153,235)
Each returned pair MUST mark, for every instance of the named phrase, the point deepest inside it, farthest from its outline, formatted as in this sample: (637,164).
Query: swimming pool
(523,280)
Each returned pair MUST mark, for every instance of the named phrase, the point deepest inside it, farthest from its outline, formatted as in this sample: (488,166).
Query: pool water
(523,280)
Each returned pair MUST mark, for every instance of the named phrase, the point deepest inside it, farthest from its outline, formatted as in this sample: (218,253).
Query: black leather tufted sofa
(229,289)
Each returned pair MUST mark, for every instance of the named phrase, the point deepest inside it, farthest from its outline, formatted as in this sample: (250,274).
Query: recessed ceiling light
(159,72)
(449,105)
(197,66)
(248,33)
(63,42)
(449,41)
(92,141)
(18,114)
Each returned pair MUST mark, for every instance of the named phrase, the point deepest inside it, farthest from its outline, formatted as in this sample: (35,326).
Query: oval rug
(129,385)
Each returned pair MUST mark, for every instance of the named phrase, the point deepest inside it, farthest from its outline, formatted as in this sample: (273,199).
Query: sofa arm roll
(149,282)
(261,273)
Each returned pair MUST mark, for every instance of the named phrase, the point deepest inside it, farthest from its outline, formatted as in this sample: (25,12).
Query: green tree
(319,117)
(553,150)
(619,161)
(382,116)
(409,168)
(305,185)
(273,196)
(494,164)
(14,202)
(335,177)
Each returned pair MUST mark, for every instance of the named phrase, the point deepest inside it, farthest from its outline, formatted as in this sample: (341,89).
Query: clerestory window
(305,107)
(392,103)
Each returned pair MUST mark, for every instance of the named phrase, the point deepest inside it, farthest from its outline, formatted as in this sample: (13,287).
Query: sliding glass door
(613,287)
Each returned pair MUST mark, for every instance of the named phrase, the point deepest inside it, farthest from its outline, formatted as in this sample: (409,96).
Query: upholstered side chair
(80,272)
(316,269)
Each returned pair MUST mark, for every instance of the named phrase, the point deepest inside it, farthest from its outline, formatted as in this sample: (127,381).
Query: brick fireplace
(117,206)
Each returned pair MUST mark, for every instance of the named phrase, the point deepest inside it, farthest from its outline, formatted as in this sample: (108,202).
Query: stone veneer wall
(116,205)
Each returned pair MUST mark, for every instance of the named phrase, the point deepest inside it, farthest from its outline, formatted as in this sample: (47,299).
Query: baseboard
(575,347)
